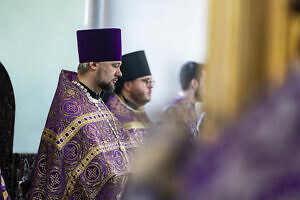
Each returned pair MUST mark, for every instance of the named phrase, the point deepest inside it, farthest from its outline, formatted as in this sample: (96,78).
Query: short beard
(107,87)
(139,98)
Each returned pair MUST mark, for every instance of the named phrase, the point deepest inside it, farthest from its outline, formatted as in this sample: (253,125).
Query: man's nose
(150,85)
(118,73)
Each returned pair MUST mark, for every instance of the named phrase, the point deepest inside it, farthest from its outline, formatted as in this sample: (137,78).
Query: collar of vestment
(91,92)
(129,103)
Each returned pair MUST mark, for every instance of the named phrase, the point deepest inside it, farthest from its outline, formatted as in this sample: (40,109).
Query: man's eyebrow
(117,64)
(147,78)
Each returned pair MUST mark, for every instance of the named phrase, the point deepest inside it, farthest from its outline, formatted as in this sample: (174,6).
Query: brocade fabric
(136,122)
(3,191)
(85,152)
(183,111)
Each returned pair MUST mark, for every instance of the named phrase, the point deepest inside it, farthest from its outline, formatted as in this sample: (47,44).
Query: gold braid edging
(60,140)
(84,163)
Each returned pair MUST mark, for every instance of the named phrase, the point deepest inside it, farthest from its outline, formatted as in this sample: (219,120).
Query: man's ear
(93,66)
(127,86)
(194,83)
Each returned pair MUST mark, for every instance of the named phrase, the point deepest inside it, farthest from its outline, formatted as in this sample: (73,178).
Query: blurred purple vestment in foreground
(259,157)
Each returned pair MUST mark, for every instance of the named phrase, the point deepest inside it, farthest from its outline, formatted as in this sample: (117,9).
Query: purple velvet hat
(98,45)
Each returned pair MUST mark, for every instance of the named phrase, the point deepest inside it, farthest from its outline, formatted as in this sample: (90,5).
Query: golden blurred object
(250,45)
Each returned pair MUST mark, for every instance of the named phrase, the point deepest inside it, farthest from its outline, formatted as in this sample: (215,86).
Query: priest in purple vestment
(133,91)
(183,108)
(84,151)
(3,191)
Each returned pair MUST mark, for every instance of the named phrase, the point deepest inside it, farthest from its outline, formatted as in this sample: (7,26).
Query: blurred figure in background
(258,158)
(184,108)
(133,91)
(3,191)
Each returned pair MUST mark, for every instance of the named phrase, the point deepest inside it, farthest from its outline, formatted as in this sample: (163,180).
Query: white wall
(170,31)
(37,40)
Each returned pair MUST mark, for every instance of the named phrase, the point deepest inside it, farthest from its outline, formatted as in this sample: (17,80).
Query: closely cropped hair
(83,68)
(189,71)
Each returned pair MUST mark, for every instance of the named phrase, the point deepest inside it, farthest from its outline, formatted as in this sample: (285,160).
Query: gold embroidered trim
(86,160)
(5,194)
(135,125)
(49,135)
(60,140)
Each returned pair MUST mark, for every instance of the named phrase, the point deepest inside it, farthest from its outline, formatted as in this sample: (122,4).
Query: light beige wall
(37,40)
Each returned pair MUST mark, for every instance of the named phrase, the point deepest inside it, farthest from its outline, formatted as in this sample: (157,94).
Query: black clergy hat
(134,65)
